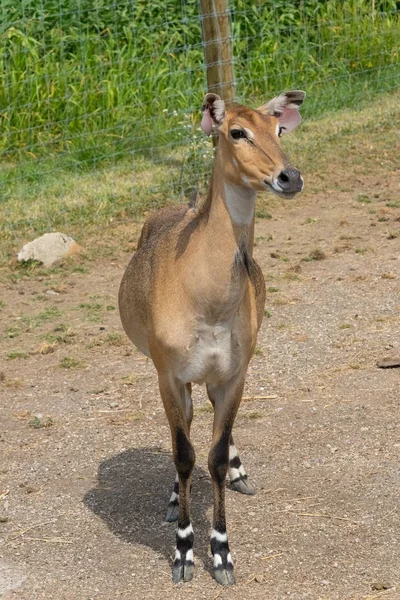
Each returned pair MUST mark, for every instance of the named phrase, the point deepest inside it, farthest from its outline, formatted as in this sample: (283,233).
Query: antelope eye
(237,134)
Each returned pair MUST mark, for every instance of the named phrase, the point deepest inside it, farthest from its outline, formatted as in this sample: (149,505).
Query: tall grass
(88,80)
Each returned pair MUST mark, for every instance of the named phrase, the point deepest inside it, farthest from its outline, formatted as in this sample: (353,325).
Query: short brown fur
(192,299)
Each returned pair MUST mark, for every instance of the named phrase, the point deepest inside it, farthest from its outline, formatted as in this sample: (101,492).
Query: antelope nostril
(290,180)
(283,177)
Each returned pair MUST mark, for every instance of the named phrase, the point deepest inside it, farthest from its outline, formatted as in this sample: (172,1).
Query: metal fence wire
(88,83)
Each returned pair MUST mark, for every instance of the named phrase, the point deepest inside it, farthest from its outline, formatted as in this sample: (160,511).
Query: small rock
(113,404)
(380,585)
(3,518)
(51,293)
(49,248)
(389,363)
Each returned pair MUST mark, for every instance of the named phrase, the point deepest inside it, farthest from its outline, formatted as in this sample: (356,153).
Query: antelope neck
(240,203)
(230,210)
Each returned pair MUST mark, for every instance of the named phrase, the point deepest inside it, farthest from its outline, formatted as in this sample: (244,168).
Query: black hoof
(182,571)
(243,486)
(224,576)
(172,513)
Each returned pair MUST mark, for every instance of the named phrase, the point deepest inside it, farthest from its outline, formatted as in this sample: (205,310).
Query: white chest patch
(240,202)
(210,357)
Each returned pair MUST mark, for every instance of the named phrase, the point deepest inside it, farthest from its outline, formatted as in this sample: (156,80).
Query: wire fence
(87,84)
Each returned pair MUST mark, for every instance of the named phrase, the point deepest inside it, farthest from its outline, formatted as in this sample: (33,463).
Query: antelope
(192,299)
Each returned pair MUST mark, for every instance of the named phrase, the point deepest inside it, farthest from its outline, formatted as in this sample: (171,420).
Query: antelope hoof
(224,576)
(243,486)
(182,571)
(172,513)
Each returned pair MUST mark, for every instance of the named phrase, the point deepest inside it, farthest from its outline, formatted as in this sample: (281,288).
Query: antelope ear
(286,108)
(213,112)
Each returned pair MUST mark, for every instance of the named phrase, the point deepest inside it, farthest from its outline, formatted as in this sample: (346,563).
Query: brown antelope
(192,299)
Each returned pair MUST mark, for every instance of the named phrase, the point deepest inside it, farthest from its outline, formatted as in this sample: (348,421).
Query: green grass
(98,80)
(316,254)
(94,311)
(60,335)
(101,207)
(50,313)
(363,199)
(39,422)
(16,355)
(69,362)
(12,332)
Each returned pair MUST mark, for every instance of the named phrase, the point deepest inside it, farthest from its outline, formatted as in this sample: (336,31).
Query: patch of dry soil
(83,498)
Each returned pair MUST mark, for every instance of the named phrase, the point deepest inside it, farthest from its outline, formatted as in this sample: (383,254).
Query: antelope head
(249,142)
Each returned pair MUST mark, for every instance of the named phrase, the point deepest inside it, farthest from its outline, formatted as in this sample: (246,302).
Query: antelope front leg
(175,404)
(173,505)
(227,400)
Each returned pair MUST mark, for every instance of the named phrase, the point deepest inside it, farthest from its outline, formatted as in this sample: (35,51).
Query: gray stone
(49,248)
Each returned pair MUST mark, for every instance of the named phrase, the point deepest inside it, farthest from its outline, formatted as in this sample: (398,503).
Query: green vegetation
(98,80)
(16,354)
(363,199)
(69,362)
(62,334)
(38,422)
(316,254)
(99,207)
(94,310)
(12,332)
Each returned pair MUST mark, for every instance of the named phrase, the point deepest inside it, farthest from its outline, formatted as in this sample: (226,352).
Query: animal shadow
(132,495)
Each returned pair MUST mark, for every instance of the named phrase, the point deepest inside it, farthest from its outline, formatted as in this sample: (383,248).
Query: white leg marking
(229,558)
(232,452)
(174,497)
(234,473)
(220,537)
(182,533)
(217,560)
(177,555)
(189,555)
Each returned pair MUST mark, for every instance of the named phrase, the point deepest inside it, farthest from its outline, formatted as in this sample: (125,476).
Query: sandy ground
(85,468)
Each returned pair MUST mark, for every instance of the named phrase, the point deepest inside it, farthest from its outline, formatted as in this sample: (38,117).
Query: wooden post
(217,43)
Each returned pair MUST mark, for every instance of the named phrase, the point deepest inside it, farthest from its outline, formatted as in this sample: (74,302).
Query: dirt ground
(86,471)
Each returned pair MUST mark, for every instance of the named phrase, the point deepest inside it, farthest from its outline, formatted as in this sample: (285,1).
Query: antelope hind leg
(239,481)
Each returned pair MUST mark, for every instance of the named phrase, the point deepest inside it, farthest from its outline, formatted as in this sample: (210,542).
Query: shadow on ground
(132,495)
